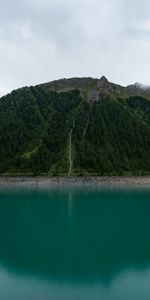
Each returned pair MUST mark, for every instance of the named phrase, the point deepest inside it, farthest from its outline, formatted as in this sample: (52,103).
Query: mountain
(77,126)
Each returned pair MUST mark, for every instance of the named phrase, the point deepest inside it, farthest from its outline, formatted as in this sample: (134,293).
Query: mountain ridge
(103,82)
(85,83)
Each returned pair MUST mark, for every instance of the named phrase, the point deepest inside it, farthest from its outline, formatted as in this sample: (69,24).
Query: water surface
(75,243)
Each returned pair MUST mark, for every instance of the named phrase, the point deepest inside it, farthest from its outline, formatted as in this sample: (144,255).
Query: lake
(74,243)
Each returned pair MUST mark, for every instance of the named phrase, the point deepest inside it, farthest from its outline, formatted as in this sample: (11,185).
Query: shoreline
(47,181)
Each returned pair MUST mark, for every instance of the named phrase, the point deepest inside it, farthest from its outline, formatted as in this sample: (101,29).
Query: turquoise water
(75,243)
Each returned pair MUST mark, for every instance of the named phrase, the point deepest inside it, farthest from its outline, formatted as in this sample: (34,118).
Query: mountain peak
(103,82)
(104,79)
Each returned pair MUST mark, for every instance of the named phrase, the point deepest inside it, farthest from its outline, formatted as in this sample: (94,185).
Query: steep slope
(75,126)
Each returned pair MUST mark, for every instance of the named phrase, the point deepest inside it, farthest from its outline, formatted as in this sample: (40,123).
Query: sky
(44,40)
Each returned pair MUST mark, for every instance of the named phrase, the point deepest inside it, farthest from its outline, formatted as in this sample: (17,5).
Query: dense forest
(75,127)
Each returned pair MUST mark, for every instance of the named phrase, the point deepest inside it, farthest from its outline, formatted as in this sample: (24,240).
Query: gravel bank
(75,181)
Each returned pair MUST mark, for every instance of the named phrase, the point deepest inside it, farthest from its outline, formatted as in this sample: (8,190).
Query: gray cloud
(42,40)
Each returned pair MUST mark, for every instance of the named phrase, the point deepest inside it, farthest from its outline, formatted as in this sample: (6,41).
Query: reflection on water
(70,206)
(81,243)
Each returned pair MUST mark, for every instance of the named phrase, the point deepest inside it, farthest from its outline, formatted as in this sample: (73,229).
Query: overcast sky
(43,40)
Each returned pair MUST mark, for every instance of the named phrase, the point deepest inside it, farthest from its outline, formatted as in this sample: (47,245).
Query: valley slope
(78,126)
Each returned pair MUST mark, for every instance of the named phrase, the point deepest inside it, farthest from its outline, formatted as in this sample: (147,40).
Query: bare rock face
(93,95)
(101,89)
(103,83)
(104,86)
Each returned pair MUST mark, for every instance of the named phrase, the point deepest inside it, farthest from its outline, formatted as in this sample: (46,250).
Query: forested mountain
(76,126)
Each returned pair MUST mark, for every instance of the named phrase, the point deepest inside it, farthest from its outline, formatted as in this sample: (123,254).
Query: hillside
(76,126)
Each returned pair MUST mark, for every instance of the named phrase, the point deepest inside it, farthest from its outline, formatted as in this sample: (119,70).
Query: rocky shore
(47,181)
